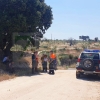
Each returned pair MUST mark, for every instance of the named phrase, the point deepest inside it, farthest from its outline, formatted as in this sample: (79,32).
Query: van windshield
(89,55)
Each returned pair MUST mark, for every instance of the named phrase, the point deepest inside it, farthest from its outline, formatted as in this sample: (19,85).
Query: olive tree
(23,16)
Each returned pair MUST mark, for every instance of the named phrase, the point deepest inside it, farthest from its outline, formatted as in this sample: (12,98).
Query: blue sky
(73,18)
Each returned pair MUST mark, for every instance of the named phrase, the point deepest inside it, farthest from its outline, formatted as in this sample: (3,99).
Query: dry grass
(6,77)
(72,66)
(24,64)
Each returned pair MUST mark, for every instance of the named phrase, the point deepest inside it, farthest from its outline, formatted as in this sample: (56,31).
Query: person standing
(34,62)
(37,60)
(44,59)
(52,61)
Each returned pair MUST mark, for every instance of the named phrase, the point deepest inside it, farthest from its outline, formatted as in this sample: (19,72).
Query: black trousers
(44,65)
(11,70)
(51,68)
(34,66)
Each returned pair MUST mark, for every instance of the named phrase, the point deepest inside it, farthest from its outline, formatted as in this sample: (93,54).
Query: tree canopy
(23,16)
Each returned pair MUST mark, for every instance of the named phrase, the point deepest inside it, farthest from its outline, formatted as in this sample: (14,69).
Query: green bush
(71,56)
(63,56)
(45,47)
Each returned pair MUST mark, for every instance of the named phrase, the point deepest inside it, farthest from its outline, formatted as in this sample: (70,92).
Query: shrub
(70,56)
(77,49)
(45,47)
(76,57)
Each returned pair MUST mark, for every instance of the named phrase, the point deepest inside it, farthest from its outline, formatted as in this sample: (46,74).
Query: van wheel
(78,75)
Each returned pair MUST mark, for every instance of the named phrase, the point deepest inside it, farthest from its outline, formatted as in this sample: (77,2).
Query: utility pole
(51,36)
(51,41)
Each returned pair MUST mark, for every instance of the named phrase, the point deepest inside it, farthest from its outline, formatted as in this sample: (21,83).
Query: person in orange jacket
(52,62)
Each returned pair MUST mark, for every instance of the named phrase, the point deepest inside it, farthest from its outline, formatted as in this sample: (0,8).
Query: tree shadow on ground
(25,72)
(22,65)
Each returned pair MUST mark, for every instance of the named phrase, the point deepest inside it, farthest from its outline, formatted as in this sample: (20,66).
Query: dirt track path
(61,86)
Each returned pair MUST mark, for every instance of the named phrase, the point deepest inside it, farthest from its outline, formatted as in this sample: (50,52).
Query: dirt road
(61,86)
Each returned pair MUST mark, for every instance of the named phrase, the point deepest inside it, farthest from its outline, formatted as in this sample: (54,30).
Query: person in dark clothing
(34,62)
(42,60)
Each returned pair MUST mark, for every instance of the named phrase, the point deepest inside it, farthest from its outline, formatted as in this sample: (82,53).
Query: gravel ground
(61,86)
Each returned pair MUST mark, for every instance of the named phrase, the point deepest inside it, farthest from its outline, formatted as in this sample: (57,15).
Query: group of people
(51,59)
(45,60)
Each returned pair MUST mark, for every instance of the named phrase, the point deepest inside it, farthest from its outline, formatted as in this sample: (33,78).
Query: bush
(77,49)
(63,56)
(62,50)
(76,57)
(45,47)
(70,56)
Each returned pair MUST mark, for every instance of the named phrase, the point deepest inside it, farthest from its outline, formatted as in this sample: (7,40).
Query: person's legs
(36,67)
(32,70)
(42,67)
(7,67)
(55,66)
(33,66)
(11,70)
(50,68)
(49,71)
(46,67)
(53,72)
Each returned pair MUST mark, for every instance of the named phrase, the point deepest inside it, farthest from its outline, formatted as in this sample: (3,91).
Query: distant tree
(96,39)
(22,16)
(71,41)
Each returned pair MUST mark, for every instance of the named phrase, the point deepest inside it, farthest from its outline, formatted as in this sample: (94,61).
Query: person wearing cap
(52,62)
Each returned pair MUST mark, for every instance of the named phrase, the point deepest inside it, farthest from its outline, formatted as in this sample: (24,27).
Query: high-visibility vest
(53,56)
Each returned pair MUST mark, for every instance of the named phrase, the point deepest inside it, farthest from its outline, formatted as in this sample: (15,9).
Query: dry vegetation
(6,77)
(23,64)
